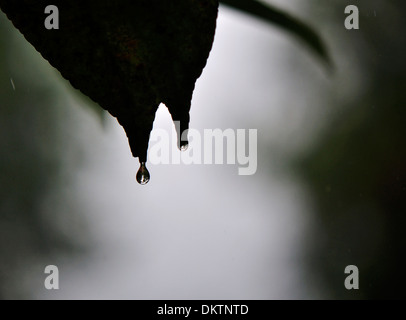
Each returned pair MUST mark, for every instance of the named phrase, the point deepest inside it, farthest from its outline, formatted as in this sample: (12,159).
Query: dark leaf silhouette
(131,55)
(127,55)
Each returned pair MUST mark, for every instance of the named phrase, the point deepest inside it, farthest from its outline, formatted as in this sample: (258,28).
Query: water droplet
(12,84)
(184,147)
(143,174)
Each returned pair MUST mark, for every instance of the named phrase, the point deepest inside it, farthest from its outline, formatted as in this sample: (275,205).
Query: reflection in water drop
(143,174)
(184,147)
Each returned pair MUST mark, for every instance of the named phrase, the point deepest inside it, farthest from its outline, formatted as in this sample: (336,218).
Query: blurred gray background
(329,190)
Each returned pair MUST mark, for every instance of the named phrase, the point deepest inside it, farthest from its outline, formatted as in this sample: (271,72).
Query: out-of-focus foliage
(357,171)
(33,145)
(277,17)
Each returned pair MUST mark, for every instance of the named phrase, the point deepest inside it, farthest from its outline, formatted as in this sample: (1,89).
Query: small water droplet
(184,147)
(12,84)
(143,174)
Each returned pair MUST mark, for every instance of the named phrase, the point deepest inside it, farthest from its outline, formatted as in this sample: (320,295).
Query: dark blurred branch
(283,20)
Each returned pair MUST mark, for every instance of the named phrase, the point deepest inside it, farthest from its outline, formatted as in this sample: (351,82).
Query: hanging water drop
(143,174)
(184,147)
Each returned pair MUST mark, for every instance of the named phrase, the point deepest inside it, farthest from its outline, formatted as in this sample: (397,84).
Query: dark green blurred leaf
(283,20)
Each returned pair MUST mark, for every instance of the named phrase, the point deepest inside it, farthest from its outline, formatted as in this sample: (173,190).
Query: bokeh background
(330,188)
